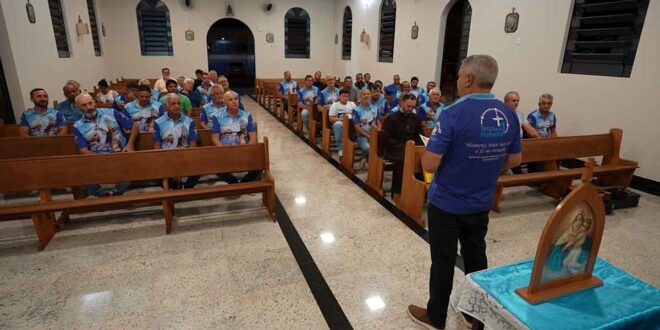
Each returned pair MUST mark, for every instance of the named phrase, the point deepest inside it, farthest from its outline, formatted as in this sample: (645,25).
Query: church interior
(334,222)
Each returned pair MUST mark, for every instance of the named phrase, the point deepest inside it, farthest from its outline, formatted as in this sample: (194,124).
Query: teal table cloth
(623,302)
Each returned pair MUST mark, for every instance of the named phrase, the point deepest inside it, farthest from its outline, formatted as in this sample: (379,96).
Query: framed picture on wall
(511,21)
(190,35)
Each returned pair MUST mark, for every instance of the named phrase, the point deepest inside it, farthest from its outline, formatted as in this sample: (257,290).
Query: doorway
(230,48)
(457,35)
(6,110)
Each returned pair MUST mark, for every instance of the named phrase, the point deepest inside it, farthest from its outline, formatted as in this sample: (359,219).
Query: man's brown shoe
(418,315)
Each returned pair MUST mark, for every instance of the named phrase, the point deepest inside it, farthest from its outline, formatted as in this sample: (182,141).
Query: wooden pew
(376,169)
(313,124)
(613,170)
(27,147)
(11,130)
(326,132)
(413,191)
(349,138)
(33,174)
(293,110)
(145,141)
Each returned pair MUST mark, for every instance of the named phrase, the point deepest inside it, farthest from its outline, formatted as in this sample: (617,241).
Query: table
(623,302)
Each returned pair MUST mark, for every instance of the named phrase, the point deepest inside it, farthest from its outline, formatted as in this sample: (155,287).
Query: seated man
(68,107)
(330,94)
(171,86)
(205,88)
(395,87)
(175,130)
(367,80)
(224,82)
(544,122)
(429,86)
(286,87)
(512,100)
(129,96)
(155,94)
(364,115)
(234,126)
(213,76)
(195,98)
(378,100)
(144,110)
(354,92)
(160,84)
(308,95)
(419,92)
(198,78)
(399,127)
(359,81)
(318,83)
(337,111)
(101,131)
(212,108)
(179,82)
(391,102)
(41,120)
(105,96)
(433,107)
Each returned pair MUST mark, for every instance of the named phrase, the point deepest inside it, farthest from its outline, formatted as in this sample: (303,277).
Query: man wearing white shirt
(161,83)
(339,109)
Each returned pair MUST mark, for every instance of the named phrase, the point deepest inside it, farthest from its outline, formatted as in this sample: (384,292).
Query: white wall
(529,59)
(125,57)
(30,57)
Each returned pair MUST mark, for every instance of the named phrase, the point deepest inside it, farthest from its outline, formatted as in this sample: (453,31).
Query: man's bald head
(86,104)
(231,101)
(173,104)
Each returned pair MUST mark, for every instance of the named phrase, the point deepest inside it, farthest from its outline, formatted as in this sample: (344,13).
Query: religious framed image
(414,31)
(190,35)
(568,247)
(270,38)
(511,21)
(30,12)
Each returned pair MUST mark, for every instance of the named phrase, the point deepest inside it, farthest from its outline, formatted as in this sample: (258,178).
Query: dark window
(347,34)
(296,33)
(59,28)
(93,23)
(386,37)
(603,37)
(154,27)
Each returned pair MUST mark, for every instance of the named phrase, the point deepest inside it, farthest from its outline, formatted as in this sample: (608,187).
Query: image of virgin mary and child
(570,252)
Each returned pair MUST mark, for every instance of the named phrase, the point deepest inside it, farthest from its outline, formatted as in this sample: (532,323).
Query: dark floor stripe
(408,221)
(325,299)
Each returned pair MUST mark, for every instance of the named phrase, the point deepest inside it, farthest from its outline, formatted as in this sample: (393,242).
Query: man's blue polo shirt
(474,136)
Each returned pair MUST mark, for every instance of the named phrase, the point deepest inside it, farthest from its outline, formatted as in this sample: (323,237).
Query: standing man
(144,110)
(184,101)
(101,131)
(234,126)
(307,97)
(475,139)
(339,109)
(544,122)
(286,87)
(41,120)
(175,130)
(512,99)
(364,115)
(160,84)
(68,107)
(399,127)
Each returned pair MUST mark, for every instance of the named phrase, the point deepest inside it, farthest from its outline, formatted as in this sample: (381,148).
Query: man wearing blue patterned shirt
(127,97)
(41,120)
(175,130)
(433,107)
(234,126)
(330,94)
(378,99)
(101,131)
(209,110)
(419,92)
(144,110)
(364,115)
(286,87)
(68,107)
(307,97)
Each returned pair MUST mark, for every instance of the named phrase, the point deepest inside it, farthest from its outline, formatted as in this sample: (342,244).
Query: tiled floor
(226,265)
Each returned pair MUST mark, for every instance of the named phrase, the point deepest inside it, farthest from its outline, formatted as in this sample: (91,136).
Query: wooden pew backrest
(27,147)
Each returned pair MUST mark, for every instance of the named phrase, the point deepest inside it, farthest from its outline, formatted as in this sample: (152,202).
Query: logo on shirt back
(493,123)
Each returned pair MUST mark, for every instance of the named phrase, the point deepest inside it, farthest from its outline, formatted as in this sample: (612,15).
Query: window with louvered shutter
(154,27)
(347,34)
(296,33)
(603,37)
(59,28)
(386,36)
(93,23)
